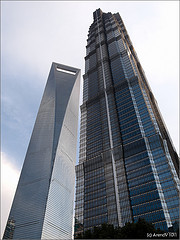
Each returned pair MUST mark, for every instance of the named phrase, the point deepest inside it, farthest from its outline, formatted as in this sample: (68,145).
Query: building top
(97,13)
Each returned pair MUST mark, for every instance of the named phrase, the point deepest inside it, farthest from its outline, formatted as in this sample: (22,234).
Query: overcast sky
(35,34)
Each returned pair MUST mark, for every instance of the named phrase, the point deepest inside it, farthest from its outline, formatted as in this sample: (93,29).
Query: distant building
(128,167)
(44,199)
(78,227)
(9,231)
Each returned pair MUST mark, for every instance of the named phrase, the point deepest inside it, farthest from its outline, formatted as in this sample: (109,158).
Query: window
(60,69)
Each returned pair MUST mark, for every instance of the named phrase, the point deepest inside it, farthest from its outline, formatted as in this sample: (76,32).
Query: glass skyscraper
(128,166)
(44,199)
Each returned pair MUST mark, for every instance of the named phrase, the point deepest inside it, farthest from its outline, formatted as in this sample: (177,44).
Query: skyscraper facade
(44,199)
(128,167)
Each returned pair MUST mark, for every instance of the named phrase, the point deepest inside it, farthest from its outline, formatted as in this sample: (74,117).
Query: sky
(36,33)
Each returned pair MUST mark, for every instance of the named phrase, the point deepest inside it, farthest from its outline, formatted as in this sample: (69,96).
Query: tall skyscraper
(128,167)
(44,199)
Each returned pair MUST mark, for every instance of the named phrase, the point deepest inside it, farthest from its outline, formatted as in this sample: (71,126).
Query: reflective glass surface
(46,185)
(129,163)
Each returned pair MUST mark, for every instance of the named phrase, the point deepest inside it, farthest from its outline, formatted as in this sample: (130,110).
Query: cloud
(9,179)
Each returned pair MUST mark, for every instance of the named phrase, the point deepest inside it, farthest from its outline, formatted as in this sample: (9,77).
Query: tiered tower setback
(128,167)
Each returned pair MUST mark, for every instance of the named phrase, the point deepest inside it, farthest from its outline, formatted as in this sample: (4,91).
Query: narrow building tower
(44,199)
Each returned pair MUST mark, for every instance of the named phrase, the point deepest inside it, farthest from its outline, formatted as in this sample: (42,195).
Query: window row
(95,221)
(96,146)
(162,167)
(152,217)
(145,198)
(172,202)
(132,139)
(141,180)
(147,207)
(143,188)
(92,137)
(95,211)
(122,105)
(174,213)
(134,148)
(164,175)
(127,116)
(94,173)
(138,164)
(95,180)
(170,192)
(130,129)
(95,187)
(157,152)
(136,157)
(167,183)
(95,203)
(139,172)
(123,93)
(99,193)
(128,124)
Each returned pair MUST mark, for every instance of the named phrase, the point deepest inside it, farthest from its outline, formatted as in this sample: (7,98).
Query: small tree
(136,230)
